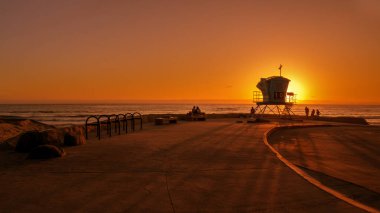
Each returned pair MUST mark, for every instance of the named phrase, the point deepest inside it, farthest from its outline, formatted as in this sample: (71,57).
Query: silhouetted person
(193,110)
(318,112)
(253,111)
(307,111)
(197,110)
(312,113)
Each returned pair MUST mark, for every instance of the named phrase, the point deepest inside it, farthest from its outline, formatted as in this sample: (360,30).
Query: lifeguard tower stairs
(274,98)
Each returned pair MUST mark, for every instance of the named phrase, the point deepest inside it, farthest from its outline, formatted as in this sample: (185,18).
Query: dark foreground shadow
(351,190)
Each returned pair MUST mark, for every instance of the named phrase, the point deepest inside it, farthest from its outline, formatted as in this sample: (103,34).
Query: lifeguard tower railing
(280,108)
(290,99)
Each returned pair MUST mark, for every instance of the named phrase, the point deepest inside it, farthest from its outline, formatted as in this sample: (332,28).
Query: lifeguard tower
(274,96)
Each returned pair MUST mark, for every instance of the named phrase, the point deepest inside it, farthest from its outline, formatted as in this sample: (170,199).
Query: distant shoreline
(77,114)
(339,119)
(198,102)
(11,126)
(151,117)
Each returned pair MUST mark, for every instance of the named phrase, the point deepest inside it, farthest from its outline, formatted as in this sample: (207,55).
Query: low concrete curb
(308,177)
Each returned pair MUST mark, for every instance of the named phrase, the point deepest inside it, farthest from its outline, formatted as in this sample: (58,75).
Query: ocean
(57,114)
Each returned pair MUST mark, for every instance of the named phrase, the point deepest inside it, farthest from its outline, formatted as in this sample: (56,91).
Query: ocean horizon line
(172,101)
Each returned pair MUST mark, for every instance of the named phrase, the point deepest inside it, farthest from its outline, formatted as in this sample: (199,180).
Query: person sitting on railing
(197,110)
(193,110)
(196,114)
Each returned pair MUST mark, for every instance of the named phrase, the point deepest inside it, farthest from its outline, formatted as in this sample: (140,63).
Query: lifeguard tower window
(278,96)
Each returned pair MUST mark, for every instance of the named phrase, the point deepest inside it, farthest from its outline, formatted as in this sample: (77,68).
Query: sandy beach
(214,166)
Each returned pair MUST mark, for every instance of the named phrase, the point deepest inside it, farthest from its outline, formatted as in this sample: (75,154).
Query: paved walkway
(212,166)
(345,158)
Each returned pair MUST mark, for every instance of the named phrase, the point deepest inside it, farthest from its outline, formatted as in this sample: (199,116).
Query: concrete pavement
(344,158)
(212,166)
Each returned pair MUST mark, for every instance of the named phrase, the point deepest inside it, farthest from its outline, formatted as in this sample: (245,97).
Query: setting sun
(299,89)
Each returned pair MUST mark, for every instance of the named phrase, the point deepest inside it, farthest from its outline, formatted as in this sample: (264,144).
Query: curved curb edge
(307,177)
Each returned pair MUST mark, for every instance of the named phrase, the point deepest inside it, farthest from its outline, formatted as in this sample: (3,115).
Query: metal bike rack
(117,121)
(122,119)
(114,119)
(107,122)
(137,116)
(129,117)
(97,124)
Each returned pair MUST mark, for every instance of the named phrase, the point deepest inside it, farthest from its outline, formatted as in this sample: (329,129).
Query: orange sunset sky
(73,51)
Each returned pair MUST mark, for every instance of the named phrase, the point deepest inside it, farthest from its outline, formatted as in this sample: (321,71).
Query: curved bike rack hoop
(137,116)
(114,119)
(108,122)
(122,119)
(97,124)
(129,117)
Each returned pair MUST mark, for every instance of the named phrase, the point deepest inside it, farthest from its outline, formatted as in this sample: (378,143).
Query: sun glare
(299,89)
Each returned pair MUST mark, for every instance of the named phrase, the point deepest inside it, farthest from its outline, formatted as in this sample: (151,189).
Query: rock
(46,152)
(261,120)
(28,141)
(11,127)
(52,137)
(31,139)
(159,121)
(257,120)
(74,136)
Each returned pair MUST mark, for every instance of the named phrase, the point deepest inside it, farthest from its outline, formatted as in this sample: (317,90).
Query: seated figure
(196,114)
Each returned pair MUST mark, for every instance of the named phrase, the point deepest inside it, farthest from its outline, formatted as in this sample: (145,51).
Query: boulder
(11,127)
(31,139)
(46,152)
(52,137)
(74,136)
(28,141)
(257,120)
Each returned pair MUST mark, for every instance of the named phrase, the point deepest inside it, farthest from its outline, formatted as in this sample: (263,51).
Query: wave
(226,109)
(372,117)
(29,111)
(20,111)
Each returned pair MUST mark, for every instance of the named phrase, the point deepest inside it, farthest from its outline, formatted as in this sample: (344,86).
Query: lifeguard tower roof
(273,89)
